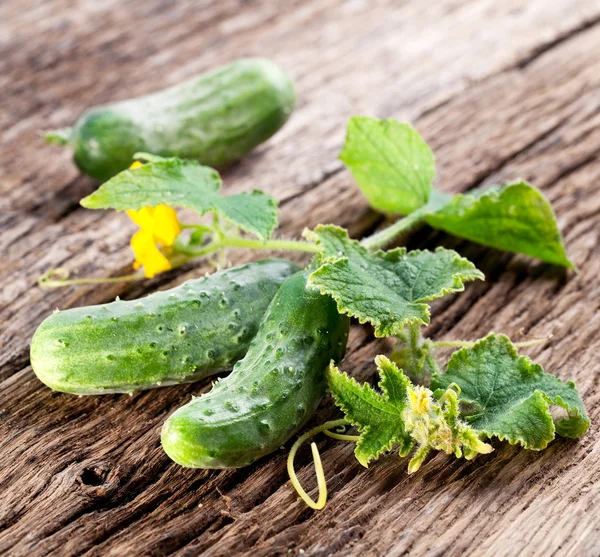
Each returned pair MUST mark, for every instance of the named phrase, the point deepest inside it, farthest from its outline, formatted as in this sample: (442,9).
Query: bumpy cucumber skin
(215,118)
(271,392)
(175,336)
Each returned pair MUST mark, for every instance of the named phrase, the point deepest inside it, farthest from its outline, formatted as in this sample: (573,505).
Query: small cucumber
(174,336)
(271,392)
(215,118)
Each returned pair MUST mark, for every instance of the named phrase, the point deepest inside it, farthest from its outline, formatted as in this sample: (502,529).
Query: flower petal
(147,254)
(166,226)
(144,218)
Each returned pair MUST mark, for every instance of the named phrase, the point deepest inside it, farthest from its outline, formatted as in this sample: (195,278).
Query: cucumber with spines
(174,336)
(215,118)
(271,392)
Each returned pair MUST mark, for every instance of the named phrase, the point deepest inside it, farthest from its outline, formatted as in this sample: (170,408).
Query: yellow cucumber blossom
(435,424)
(420,400)
(158,227)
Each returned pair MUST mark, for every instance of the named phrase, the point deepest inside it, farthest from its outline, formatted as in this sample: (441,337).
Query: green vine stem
(225,241)
(321,482)
(290,245)
(471,343)
(433,365)
(61,136)
(222,241)
(220,234)
(60,277)
(387,235)
(56,278)
(437,200)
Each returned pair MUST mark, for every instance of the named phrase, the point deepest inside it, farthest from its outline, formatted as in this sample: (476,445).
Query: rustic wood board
(499,89)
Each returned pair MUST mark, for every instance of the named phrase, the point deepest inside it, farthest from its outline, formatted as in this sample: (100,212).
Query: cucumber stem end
(61,136)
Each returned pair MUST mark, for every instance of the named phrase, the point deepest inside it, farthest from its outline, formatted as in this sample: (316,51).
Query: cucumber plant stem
(60,277)
(470,343)
(61,136)
(383,237)
(292,245)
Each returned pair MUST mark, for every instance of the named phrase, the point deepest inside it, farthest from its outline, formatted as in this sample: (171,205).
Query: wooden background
(500,90)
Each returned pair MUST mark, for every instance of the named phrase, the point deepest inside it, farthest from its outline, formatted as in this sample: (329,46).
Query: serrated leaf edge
(515,439)
(380,329)
(459,279)
(535,369)
(362,429)
(174,162)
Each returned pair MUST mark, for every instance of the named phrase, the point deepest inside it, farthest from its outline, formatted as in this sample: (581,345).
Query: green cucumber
(271,392)
(215,118)
(175,336)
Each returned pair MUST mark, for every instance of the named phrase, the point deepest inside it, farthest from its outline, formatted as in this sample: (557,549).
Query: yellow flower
(158,226)
(419,400)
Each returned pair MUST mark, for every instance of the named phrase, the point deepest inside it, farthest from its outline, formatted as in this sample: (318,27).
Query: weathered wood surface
(500,90)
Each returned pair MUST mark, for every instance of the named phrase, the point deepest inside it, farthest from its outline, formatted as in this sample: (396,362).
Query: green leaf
(378,416)
(180,183)
(402,414)
(511,397)
(515,217)
(391,163)
(387,289)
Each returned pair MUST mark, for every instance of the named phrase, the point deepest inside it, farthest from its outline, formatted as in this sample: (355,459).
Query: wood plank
(91,477)
(39,206)
(512,502)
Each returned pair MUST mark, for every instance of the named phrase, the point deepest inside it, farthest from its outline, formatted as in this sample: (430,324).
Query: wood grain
(500,90)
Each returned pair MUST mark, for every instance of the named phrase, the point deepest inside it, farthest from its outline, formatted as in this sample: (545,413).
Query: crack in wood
(547,47)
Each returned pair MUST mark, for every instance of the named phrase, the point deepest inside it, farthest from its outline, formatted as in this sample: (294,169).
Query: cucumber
(215,118)
(271,392)
(174,336)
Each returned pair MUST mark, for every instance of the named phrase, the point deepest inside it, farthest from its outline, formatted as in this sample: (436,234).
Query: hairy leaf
(403,415)
(387,289)
(180,183)
(511,397)
(391,163)
(378,416)
(515,217)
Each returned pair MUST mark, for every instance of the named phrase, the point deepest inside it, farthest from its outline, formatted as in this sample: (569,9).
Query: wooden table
(499,89)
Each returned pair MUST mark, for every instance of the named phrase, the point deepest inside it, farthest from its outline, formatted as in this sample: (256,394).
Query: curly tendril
(321,481)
